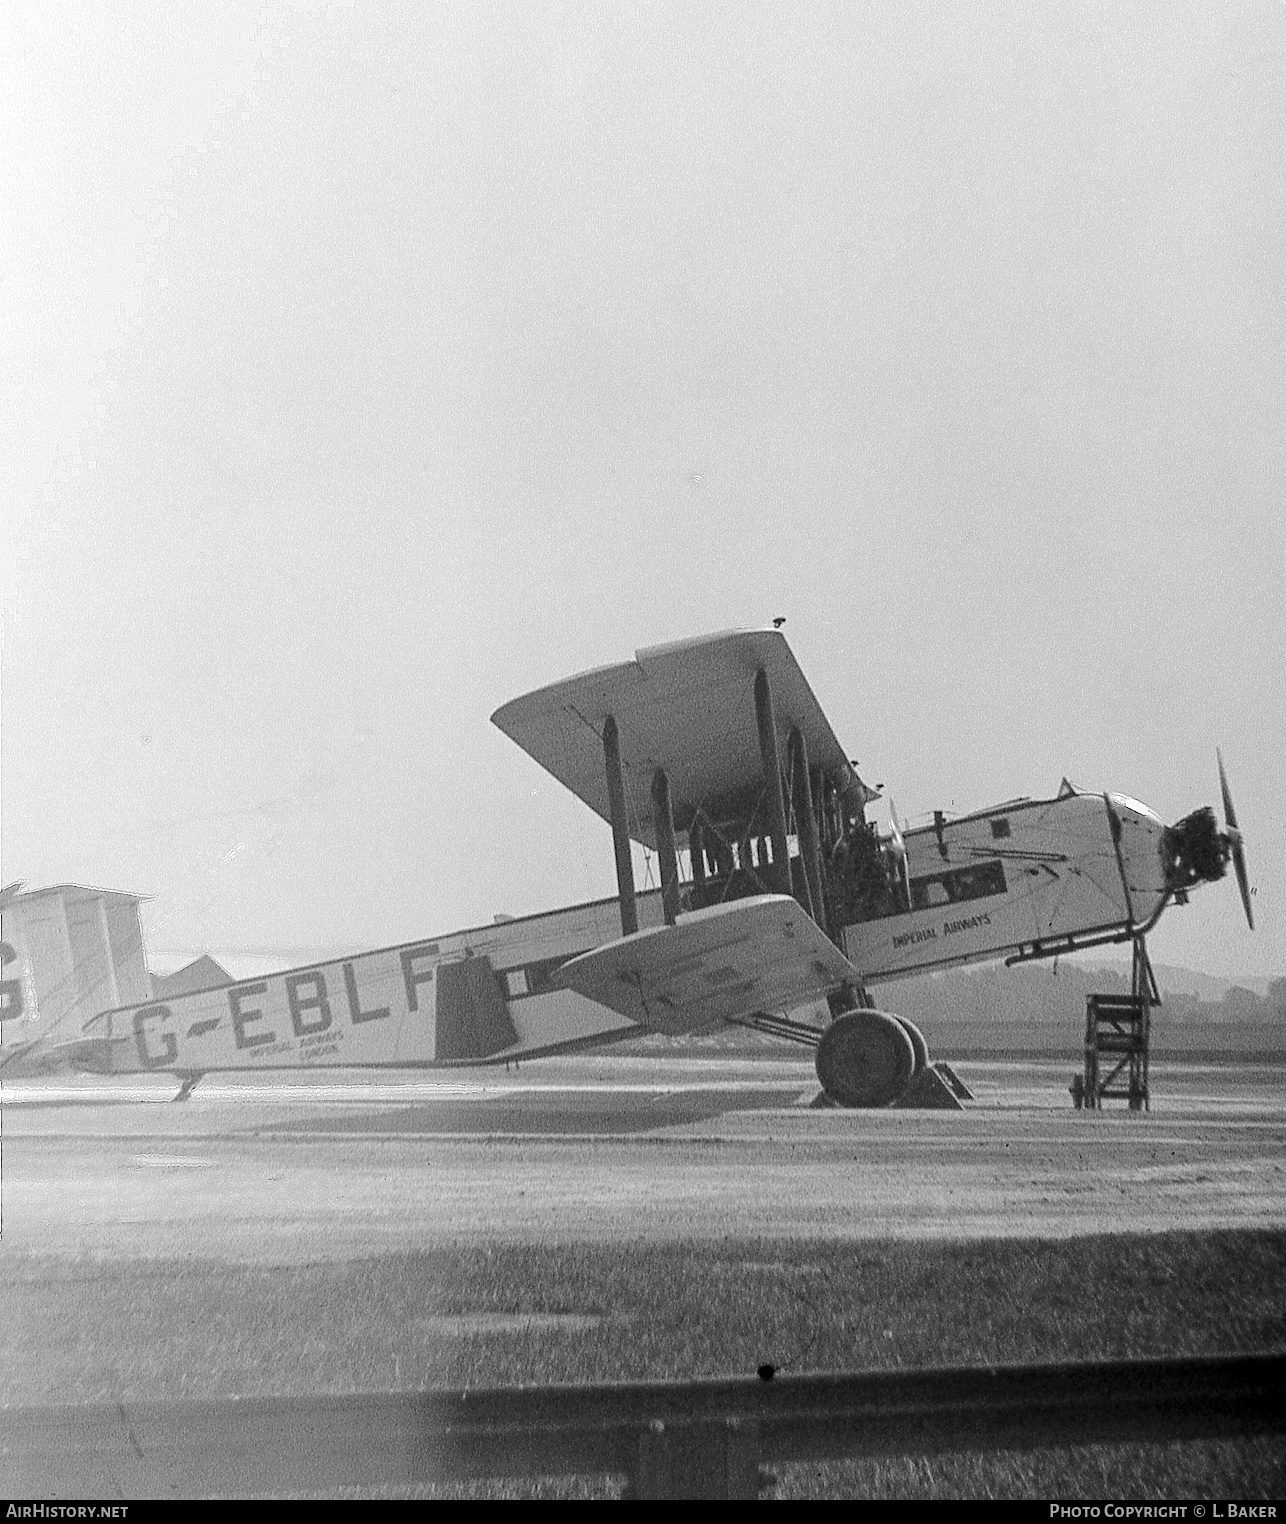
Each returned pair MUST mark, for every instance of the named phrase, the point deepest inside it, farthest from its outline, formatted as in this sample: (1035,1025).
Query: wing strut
(806,823)
(780,876)
(620,827)
(666,851)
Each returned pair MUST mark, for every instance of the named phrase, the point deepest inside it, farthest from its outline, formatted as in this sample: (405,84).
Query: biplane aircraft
(779,905)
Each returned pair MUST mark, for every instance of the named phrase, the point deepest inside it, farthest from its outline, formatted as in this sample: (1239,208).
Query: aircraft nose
(1140,835)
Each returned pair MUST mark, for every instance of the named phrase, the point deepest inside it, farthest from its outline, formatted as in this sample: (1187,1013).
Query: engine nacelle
(1195,851)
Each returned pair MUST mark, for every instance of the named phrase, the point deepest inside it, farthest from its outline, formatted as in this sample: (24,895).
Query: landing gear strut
(868,1058)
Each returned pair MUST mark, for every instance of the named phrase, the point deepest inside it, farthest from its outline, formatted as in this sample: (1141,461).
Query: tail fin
(67,953)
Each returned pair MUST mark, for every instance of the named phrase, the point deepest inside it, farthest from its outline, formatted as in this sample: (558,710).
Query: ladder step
(1116,1048)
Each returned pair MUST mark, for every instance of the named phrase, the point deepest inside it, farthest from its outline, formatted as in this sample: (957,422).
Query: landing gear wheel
(917,1042)
(865,1058)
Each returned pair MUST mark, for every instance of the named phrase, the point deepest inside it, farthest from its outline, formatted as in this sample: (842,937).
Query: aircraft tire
(865,1058)
(917,1042)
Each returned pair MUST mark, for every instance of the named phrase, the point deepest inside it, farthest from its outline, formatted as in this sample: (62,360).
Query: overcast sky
(364,367)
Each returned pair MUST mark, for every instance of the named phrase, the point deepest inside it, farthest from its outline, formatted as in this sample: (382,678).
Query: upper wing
(751,955)
(687,707)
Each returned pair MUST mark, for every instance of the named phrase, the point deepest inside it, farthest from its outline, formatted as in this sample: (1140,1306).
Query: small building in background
(203,973)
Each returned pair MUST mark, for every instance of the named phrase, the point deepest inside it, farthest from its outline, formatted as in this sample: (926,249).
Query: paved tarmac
(288,1169)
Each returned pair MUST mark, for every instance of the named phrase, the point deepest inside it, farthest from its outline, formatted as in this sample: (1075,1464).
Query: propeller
(1233,836)
(898,848)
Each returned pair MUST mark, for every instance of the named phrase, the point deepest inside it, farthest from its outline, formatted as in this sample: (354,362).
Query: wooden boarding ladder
(1117,1029)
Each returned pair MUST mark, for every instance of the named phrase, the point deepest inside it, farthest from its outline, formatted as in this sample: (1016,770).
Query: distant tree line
(1055,997)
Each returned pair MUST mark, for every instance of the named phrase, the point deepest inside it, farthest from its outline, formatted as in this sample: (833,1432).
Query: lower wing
(762,954)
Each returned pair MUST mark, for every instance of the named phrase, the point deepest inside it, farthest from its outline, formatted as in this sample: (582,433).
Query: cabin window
(975,882)
(535,978)
(1000,827)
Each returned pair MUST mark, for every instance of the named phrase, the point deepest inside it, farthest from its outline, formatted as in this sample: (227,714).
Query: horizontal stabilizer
(759,954)
(93,1055)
